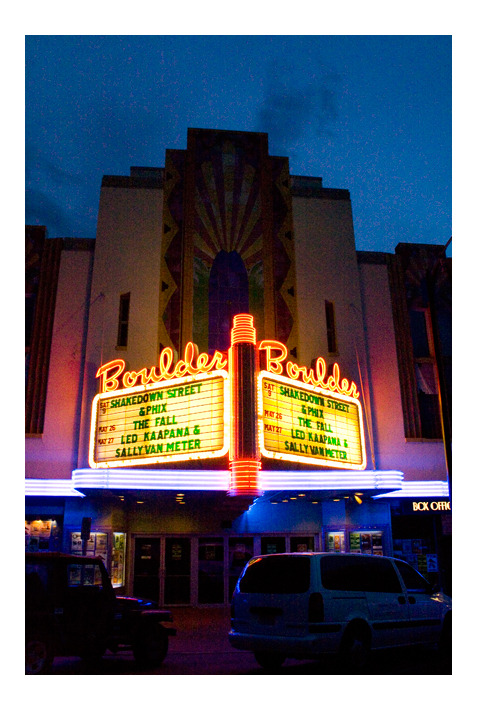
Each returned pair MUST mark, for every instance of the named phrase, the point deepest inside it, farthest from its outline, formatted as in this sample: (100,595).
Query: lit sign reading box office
(181,419)
(182,411)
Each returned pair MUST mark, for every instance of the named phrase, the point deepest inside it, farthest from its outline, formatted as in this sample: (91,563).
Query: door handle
(412,600)
(401,600)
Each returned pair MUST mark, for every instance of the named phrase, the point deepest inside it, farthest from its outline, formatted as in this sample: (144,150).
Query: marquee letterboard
(180,419)
(309,425)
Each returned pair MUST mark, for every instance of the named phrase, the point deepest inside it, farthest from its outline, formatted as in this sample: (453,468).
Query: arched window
(228,295)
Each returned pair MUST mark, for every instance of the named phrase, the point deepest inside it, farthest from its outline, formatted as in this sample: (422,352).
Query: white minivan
(302,605)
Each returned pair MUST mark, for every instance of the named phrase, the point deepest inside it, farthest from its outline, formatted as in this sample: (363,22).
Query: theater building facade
(220,374)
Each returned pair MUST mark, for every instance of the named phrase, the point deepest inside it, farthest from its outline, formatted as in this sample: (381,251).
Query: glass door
(240,552)
(147,558)
(211,570)
(272,545)
(177,571)
(302,544)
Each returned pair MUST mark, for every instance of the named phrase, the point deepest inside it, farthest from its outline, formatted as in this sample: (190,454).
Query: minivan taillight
(316,611)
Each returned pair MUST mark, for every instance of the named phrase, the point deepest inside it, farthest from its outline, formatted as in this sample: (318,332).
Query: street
(403,662)
(201,647)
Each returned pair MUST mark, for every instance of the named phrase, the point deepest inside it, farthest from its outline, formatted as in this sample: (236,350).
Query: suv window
(359,574)
(282,574)
(413,581)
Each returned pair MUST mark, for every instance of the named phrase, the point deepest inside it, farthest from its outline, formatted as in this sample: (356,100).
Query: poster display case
(113,555)
(42,535)
(367,542)
(335,541)
(118,565)
(418,552)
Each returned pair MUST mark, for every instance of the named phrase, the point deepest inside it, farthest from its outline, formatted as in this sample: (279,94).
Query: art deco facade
(224,229)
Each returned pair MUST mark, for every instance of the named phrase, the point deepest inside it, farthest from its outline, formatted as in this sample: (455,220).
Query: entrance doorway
(177,571)
(147,560)
(195,570)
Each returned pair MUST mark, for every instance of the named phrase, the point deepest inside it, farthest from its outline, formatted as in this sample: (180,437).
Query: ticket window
(302,544)
(240,552)
(335,541)
(366,542)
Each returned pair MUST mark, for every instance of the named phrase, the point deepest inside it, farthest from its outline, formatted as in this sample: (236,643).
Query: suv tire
(270,661)
(93,648)
(38,656)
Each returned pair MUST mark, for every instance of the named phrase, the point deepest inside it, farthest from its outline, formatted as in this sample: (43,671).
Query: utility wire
(80,308)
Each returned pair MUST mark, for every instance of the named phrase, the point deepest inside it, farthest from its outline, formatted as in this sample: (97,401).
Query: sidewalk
(203,630)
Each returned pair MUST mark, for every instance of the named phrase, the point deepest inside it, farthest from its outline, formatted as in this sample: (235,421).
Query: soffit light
(218,480)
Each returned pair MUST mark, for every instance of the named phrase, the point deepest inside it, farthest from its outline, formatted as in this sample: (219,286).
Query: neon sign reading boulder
(206,406)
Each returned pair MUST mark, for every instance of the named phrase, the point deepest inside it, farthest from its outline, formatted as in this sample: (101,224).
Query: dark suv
(71,609)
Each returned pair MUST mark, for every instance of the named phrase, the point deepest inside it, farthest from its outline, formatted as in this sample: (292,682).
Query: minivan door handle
(401,600)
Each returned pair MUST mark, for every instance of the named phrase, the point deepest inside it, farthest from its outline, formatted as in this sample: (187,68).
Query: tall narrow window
(228,296)
(123,325)
(330,327)
(426,374)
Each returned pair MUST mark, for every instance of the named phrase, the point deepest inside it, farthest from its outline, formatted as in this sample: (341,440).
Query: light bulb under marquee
(218,480)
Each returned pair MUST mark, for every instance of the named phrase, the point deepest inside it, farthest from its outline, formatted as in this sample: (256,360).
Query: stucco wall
(326,269)
(128,247)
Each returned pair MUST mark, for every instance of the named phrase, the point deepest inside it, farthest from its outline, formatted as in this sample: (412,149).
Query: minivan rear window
(359,574)
(281,574)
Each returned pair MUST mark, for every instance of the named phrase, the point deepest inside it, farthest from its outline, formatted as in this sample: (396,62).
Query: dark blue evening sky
(371,114)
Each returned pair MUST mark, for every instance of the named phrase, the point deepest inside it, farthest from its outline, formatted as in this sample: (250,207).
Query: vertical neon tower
(244,456)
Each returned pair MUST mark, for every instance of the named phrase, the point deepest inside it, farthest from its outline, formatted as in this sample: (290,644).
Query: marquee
(249,403)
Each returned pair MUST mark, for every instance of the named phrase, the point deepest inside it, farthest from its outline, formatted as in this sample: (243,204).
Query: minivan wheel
(270,661)
(355,648)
